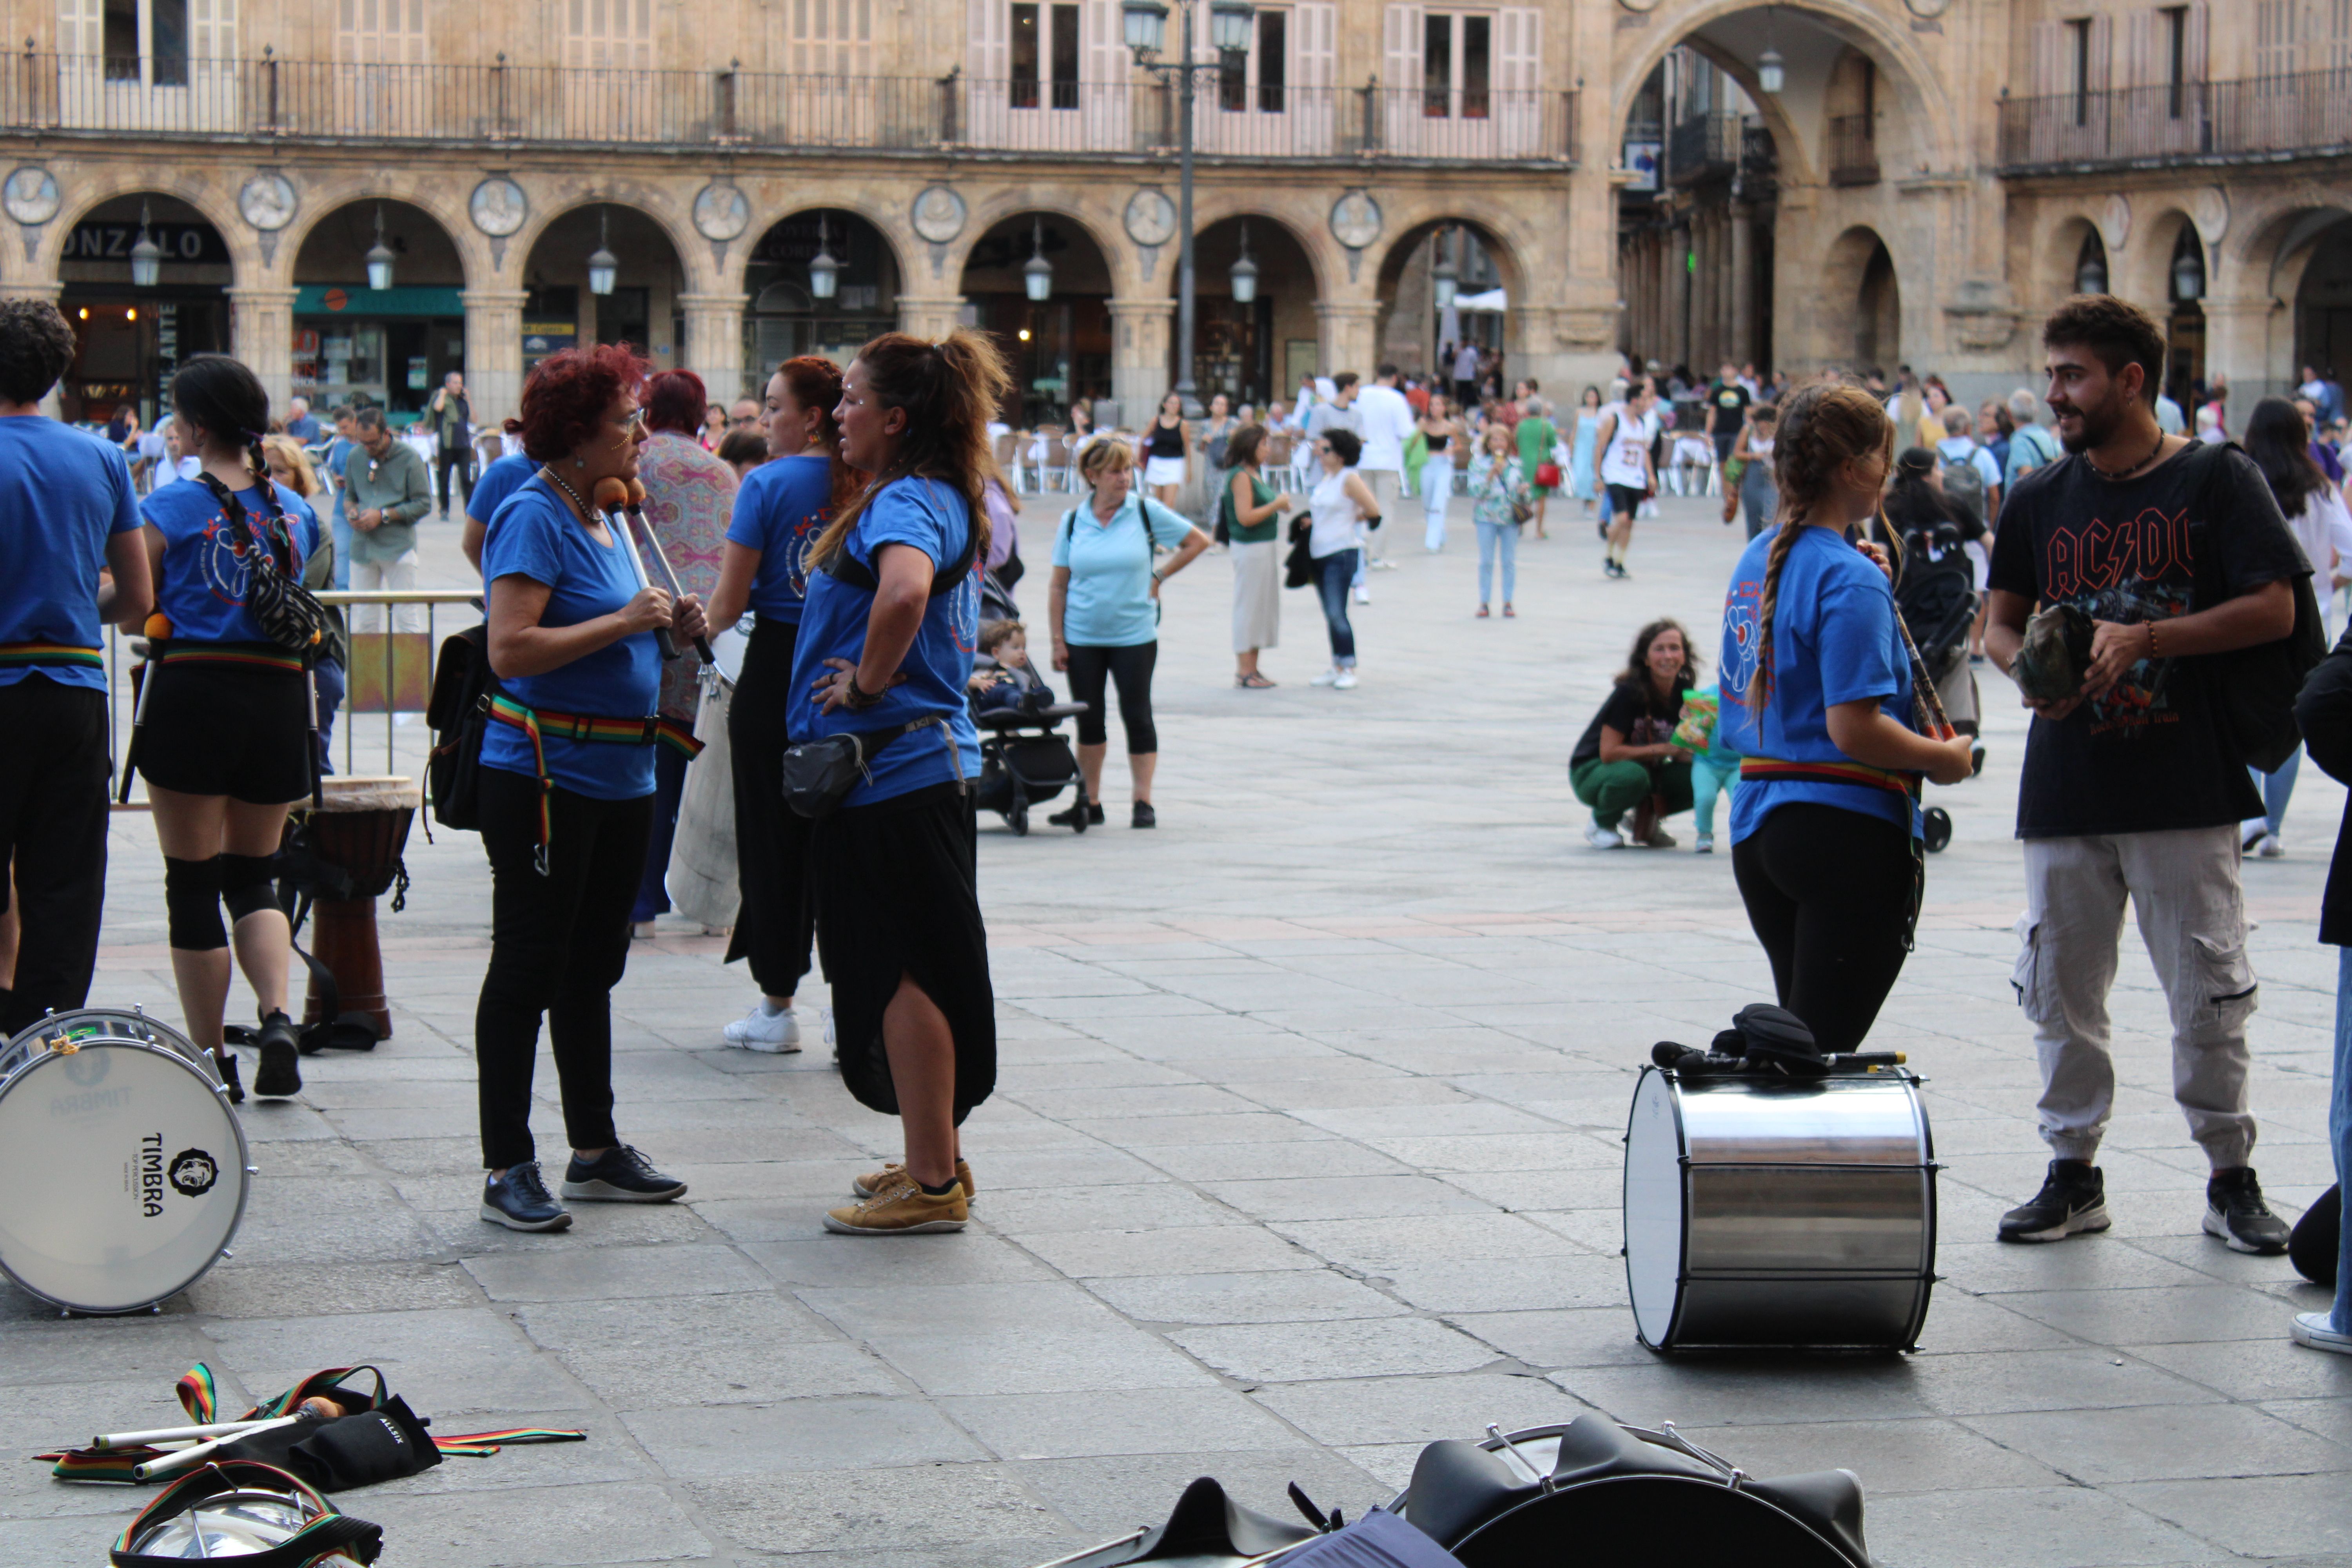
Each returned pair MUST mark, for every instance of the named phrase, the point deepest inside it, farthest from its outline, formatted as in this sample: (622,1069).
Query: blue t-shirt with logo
(935,517)
(535,534)
(779,508)
(65,493)
(498,482)
(1835,640)
(1109,602)
(206,570)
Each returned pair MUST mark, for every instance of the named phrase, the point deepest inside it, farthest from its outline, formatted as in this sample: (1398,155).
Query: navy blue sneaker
(519,1201)
(619,1175)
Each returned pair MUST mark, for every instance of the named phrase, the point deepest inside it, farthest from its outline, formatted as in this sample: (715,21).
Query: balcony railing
(1853,150)
(2259,118)
(523,106)
(1704,145)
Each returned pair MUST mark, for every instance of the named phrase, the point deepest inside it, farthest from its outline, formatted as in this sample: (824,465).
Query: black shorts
(216,729)
(1623,498)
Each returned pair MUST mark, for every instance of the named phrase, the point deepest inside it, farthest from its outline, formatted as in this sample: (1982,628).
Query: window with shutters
(1256,79)
(1044,57)
(1457,55)
(2078,44)
(2274,36)
(144,41)
(380,31)
(832,38)
(606,35)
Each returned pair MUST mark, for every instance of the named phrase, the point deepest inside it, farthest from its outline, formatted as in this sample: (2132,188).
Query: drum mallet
(611,495)
(184,1458)
(661,559)
(173,1434)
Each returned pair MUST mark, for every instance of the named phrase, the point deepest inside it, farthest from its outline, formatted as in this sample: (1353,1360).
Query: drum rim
(1741,1491)
(1682,1199)
(172,1039)
(244,1175)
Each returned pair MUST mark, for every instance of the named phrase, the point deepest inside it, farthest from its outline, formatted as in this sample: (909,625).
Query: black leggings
(558,945)
(1829,893)
(778,919)
(1131,668)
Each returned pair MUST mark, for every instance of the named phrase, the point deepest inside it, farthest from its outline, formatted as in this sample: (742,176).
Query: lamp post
(1228,31)
(379,257)
(604,266)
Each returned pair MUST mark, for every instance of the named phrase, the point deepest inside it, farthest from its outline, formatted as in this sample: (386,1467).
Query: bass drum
(1782,1212)
(125,1168)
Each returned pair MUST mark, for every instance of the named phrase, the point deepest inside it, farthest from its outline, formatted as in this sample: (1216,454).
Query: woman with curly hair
(1627,759)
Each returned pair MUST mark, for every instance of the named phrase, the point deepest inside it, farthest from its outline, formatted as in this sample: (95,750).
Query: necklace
(557,480)
(2136,467)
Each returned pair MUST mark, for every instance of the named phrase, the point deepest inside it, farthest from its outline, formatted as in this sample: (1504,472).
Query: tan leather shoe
(872,1182)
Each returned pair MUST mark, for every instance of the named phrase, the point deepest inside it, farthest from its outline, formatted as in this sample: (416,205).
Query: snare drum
(125,1169)
(1764,1211)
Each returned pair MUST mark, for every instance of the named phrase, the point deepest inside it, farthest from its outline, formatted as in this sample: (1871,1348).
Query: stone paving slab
(1305,1153)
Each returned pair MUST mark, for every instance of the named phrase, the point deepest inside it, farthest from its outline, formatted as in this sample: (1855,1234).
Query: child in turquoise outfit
(1714,770)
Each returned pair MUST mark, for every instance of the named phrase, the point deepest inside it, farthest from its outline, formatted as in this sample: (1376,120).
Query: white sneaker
(1706,844)
(1363,595)
(1602,837)
(2311,1330)
(2271,847)
(1344,681)
(1384,564)
(1327,678)
(827,1013)
(756,1031)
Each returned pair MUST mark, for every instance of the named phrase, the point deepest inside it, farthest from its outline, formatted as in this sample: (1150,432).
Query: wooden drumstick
(661,559)
(611,496)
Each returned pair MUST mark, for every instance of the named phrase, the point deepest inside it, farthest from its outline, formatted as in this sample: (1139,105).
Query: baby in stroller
(1024,760)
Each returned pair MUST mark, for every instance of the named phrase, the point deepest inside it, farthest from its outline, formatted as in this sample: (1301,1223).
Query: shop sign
(347,299)
(191,243)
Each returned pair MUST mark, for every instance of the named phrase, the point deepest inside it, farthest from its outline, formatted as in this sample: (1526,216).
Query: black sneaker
(1070,818)
(1143,815)
(2235,1212)
(519,1200)
(278,1076)
(227,1062)
(619,1175)
(2072,1199)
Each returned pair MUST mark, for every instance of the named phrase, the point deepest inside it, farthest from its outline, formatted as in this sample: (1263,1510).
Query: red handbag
(1548,475)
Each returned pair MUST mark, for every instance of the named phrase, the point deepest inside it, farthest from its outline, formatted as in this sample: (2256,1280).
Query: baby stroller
(1936,598)
(1024,760)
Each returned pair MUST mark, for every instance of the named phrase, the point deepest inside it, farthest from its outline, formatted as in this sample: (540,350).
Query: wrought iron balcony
(1705,146)
(502,106)
(1853,150)
(2257,119)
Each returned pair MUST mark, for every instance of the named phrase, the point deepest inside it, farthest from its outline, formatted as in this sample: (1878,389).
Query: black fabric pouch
(380,1445)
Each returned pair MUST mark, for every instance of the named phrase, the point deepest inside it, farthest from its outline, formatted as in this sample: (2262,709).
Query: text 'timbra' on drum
(125,1168)
(1770,1211)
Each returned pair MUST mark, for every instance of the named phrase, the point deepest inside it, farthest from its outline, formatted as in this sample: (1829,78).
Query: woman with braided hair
(225,732)
(1817,699)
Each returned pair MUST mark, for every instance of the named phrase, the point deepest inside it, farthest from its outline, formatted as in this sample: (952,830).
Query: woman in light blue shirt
(1104,612)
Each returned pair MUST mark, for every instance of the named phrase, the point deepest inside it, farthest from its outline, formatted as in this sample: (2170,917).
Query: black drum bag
(380,1445)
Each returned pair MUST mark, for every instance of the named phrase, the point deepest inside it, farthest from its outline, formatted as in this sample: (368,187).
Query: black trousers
(53,816)
(1130,669)
(558,946)
(777,924)
(461,460)
(1828,893)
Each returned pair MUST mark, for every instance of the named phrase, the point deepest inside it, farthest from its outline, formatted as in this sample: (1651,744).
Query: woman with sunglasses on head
(567,783)
(885,645)
(784,504)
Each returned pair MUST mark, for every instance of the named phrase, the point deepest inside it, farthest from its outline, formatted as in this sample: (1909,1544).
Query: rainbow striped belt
(50,656)
(238,655)
(540,724)
(1887,779)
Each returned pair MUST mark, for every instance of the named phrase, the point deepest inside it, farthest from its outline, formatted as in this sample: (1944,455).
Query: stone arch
(776,331)
(216,209)
(775,201)
(1323,253)
(1397,293)
(131,336)
(321,200)
(2058,257)
(1859,276)
(1128,277)
(654,203)
(2142,274)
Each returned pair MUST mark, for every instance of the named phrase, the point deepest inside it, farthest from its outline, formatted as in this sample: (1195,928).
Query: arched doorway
(1878,316)
(357,344)
(1862,305)
(786,315)
(2185,326)
(134,335)
(1059,346)
(563,309)
(1417,332)
(1251,349)
(2322,303)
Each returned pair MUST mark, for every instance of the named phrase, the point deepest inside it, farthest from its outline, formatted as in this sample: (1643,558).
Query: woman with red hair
(783,505)
(567,784)
(689,495)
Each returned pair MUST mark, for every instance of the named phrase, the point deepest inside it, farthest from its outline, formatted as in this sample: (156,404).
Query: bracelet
(2151,639)
(858,697)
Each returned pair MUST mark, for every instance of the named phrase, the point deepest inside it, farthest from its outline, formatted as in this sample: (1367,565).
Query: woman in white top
(1166,449)
(2279,441)
(1338,508)
(1756,493)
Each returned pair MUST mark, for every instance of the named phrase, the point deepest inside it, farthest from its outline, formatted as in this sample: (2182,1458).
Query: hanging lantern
(1147,25)
(1228,25)
(824,270)
(2188,271)
(146,256)
(1445,280)
(2091,268)
(380,256)
(1769,71)
(1037,273)
(1244,272)
(604,266)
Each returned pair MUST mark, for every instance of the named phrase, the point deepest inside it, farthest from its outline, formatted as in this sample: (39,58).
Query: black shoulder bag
(462,686)
(287,612)
(2253,690)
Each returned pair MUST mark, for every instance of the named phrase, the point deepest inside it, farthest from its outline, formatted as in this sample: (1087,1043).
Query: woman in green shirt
(1251,511)
(1537,435)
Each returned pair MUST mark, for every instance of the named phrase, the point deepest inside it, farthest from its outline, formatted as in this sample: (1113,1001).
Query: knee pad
(246,885)
(191,894)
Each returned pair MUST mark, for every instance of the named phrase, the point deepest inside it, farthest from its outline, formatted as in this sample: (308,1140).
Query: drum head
(113,1023)
(125,1174)
(1655,1210)
(1647,1519)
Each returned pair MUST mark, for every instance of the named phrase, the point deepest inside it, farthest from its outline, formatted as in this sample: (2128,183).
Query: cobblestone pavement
(1305,1152)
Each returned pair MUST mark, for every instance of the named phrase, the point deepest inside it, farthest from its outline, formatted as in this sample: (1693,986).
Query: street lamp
(1230,23)
(604,266)
(1769,73)
(2091,268)
(1245,271)
(2188,271)
(1037,273)
(146,256)
(825,272)
(379,256)
(1445,280)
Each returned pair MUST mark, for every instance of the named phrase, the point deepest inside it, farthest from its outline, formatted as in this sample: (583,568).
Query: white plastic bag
(701,878)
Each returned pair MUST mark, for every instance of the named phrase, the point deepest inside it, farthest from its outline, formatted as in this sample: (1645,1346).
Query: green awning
(342,299)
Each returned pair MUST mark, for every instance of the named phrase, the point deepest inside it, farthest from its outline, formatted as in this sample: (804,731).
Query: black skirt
(222,728)
(897,883)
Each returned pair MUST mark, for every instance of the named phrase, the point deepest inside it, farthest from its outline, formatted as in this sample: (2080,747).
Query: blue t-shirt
(66,493)
(337,450)
(1835,640)
(936,520)
(779,508)
(1110,602)
(498,482)
(536,535)
(205,572)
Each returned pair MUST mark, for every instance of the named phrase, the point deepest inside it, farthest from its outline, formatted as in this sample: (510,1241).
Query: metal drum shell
(1764,1213)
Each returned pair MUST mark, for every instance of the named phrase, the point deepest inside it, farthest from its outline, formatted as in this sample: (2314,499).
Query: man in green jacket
(387,489)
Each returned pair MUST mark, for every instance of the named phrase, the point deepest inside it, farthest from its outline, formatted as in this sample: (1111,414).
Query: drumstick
(661,559)
(611,495)
(187,1457)
(172,1435)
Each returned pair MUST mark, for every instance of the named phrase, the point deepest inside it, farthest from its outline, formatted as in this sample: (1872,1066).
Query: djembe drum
(360,829)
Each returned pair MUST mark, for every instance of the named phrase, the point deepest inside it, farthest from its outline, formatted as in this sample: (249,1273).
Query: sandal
(1509,614)
(1253,681)
(1483,611)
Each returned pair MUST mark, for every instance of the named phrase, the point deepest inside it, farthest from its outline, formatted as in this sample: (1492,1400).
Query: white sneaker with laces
(1602,837)
(1327,678)
(1344,681)
(1706,844)
(2271,847)
(757,1031)
(2311,1330)
(1363,595)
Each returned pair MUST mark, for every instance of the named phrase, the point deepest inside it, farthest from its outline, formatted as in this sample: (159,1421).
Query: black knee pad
(247,887)
(191,895)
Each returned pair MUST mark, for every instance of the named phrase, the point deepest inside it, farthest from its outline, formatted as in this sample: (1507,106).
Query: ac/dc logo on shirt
(2086,557)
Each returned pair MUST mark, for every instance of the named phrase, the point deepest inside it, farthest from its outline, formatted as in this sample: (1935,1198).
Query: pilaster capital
(1143,308)
(262,297)
(1347,309)
(492,299)
(713,304)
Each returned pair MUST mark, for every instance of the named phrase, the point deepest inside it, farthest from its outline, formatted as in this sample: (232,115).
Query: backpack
(1964,487)
(457,714)
(2253,689)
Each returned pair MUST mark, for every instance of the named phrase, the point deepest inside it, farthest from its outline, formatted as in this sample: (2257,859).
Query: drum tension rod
(1542,1478)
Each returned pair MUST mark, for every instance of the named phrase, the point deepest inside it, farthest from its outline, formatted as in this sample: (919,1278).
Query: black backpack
(2253,690)
(458,715)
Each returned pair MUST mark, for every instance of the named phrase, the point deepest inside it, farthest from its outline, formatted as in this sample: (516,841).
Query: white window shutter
(2275,40)
(2049,63)
(1400,48)
(991,47)
(1522,50)
(80,29)
(2102,53)
(212,29)
(1314,44)
(857,40)
(2145,48)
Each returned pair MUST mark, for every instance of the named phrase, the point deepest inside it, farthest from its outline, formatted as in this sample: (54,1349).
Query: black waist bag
(462,682)
(819,774)
(380,1445)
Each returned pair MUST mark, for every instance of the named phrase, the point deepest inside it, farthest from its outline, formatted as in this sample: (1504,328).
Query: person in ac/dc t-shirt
(2132,790)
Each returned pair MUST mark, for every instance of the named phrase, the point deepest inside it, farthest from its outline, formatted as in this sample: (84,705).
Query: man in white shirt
(178,461)
(1465,374)
(1386,422)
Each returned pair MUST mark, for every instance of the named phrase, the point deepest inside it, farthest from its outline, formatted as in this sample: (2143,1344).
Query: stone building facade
(1927,177)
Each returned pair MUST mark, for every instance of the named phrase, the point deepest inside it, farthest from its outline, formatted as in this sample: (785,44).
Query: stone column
(261,333)
(927,316)
(1346,326)
(493,353)
(1743,283)
(714,342)
(2238,345)
(1139,376)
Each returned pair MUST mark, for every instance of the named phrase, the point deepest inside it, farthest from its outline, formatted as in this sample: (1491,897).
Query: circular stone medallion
(31,195)
(721,211)
(1150,217)
(939,214)
(267,202)
(498,207)
(1928,10)
(1356,220)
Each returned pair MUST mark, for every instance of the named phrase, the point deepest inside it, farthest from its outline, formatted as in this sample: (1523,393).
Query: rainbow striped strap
(50,656)
(537,724)
(481,1445)
(1765,768)
(241,655)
